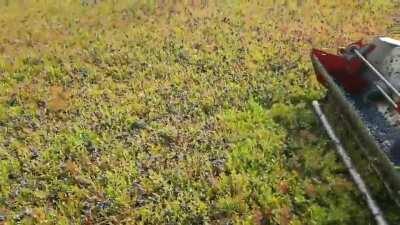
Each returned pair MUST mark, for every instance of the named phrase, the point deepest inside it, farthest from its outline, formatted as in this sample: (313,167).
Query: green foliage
(172,112)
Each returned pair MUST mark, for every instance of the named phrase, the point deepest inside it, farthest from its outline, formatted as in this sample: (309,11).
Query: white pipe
(372,205)
(390,100)
(377,72)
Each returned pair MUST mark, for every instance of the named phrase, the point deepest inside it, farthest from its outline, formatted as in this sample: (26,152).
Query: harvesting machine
(361,114)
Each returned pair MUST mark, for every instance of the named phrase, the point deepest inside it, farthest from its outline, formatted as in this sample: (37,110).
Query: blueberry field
(173,112)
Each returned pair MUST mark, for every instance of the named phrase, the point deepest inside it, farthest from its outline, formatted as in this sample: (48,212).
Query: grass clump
(137,112)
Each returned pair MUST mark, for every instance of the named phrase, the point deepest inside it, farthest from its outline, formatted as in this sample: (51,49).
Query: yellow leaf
(38,214)
(71,167)
(58,100)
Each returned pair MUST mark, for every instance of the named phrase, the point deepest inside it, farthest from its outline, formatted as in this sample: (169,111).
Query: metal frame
(382,164)
(382,78)
(362,187)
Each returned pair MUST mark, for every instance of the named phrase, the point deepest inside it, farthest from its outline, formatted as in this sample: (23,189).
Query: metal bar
(372,205)
(377,72)
(390,100)
(373,152)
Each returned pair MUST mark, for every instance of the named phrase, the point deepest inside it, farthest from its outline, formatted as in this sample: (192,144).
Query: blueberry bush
(172,112)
